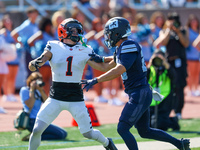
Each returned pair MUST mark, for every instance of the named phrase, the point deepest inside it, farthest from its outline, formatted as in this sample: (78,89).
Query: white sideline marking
(150,145)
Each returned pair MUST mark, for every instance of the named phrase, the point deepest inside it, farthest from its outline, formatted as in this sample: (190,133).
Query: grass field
(11,140)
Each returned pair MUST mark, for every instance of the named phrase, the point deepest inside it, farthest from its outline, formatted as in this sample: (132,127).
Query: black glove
(89,83)
(35,63)
(96,57)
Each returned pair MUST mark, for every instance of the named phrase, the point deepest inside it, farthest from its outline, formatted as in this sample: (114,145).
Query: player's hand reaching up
(89,83)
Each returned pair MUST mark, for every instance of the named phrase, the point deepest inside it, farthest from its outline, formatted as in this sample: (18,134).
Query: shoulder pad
(128,46)
(50,44)
(53,42)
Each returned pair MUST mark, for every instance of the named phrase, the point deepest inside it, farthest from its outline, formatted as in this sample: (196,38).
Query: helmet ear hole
(61,32)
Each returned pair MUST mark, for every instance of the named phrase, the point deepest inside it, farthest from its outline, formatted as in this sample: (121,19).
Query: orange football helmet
(65,29)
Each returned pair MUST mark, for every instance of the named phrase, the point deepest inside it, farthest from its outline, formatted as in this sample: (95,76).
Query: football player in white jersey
(67,58)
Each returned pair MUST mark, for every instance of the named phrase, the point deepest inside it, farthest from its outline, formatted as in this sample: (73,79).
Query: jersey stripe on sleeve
(129,48)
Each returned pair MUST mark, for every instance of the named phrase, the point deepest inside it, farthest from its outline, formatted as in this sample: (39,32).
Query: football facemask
(74,31)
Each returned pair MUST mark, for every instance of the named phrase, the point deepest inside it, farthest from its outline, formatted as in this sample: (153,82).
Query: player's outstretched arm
(99,59)
(88,83)
(40,61)
(102,66)
(111,74)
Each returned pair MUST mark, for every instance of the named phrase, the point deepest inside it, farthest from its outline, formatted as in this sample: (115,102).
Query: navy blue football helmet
(115,29)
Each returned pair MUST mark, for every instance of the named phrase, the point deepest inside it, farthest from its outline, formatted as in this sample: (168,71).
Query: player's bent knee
(64,135)
(88,134)
(36,131)
(143,133)
(119,130)
(93,134)
(122,128)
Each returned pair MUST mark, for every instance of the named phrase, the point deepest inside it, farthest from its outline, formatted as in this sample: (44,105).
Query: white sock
(97,136)
(35,138)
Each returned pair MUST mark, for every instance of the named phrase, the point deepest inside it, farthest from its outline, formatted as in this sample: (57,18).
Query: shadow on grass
(185,132)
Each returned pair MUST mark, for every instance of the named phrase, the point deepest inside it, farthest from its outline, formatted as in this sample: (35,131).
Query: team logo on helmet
(113,24)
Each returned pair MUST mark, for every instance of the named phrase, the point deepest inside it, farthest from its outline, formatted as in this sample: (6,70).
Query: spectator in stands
(161,76)
(157,21)
(193,57)
(3,70)
(129,17)
(175,38)
(32,96)
(117,4)
(7,53)
(105,18)
(37,42)
(13,66)
(85,3)
(99,7)
(56,19)
(142,34)
(22,33)
(80,16)
(2,6)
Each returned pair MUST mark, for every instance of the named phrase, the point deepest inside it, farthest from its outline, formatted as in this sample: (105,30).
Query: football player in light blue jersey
(129,63)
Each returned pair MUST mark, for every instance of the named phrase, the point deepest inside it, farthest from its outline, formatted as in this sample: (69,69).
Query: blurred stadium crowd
(29,24)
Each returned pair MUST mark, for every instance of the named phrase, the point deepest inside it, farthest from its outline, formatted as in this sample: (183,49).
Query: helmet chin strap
(74,38)
(69,43)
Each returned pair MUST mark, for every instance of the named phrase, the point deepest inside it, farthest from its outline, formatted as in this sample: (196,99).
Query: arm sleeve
(127,59)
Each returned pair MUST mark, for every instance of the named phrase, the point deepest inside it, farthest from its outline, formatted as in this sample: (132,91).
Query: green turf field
(11,140)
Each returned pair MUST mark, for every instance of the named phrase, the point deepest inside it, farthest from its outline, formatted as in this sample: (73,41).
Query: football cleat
(111,145)
(185,144)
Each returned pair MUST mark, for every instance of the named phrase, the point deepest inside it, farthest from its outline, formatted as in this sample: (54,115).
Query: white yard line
(151,145)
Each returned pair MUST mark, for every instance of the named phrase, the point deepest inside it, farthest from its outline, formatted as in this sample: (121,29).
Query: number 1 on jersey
(69,66)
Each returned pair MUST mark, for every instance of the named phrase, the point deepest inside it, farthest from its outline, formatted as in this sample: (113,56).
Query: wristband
(103,59)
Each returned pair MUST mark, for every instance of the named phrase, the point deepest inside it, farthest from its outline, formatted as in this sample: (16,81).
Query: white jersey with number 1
(67,63)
